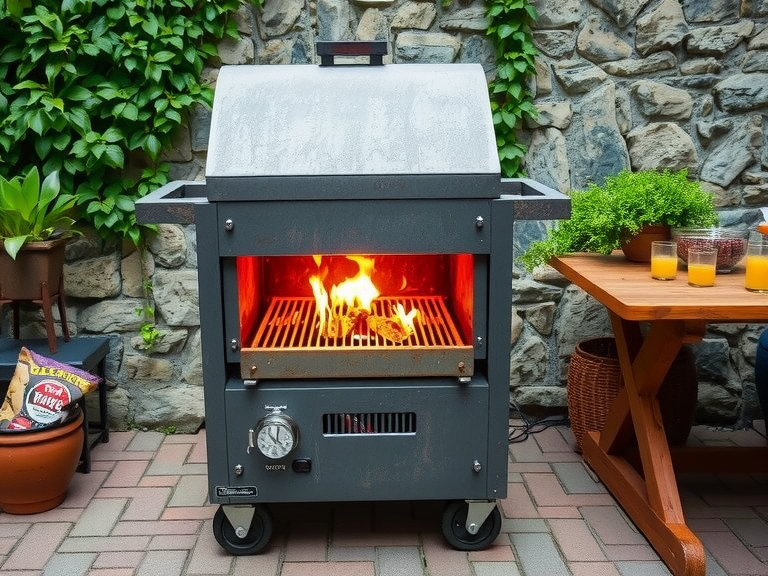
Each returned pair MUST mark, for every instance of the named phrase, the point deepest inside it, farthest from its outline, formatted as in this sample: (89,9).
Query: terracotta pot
(637,248)
(36,466)
(36,263)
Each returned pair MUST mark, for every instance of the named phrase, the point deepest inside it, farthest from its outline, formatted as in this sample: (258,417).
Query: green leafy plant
(602,215)
(511,98)
(96,90)
(31,211)
(149,333)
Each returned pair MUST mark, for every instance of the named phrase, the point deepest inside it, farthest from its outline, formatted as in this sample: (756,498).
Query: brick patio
(143,511)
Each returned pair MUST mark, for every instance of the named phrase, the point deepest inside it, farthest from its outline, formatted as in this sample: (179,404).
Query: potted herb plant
(607,217)
(35,223)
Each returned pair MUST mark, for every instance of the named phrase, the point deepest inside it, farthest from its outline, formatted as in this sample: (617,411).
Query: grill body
(457,423)
(371,420)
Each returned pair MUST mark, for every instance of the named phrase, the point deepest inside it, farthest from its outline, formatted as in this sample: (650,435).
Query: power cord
(521,432)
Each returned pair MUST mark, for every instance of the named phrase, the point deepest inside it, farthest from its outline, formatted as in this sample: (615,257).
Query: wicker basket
(594,380)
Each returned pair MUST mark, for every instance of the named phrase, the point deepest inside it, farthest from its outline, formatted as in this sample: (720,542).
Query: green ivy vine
(96,89)
(511,99)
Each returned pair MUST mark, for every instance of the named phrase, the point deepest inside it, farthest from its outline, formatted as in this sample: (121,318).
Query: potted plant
(35,224)
(607,217)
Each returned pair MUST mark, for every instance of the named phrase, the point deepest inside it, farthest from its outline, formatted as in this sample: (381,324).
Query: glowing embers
(348,307)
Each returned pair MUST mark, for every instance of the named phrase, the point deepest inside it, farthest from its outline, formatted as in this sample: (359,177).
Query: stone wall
(644,84)
(641,83)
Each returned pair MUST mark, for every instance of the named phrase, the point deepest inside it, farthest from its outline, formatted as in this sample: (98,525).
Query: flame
(405,320)
(349,304)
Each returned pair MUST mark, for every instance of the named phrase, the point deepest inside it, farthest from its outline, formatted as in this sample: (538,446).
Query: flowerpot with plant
(605,218)
(35,223)
(38,466)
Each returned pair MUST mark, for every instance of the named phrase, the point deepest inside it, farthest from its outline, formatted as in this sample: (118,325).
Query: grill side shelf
(173,203)
(535,201)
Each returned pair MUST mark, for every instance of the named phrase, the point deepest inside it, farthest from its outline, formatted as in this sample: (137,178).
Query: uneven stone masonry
(620,84)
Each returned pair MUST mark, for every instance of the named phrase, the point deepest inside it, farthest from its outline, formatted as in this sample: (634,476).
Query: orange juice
(701,274)
(664,267)
(757,273)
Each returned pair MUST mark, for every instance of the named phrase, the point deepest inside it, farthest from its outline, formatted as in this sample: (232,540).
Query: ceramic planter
(36,466)
(637,248)
(37,264)
(36,275)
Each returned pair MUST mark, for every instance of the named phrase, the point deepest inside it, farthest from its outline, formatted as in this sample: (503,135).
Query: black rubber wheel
(254,542)
(454,519)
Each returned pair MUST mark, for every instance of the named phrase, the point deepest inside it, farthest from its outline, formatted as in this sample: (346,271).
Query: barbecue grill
(355,261)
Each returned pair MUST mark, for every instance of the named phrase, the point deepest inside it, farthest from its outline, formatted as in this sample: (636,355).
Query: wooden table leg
(650,497)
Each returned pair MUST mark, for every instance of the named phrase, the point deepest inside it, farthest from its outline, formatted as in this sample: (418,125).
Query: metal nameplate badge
(223,491)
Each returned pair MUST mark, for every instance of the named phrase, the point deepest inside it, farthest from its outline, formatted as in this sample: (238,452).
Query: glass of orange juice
(756,277)
(701,266)
(664,259)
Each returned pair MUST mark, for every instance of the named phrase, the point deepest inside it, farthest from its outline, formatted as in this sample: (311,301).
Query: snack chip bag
(43,392)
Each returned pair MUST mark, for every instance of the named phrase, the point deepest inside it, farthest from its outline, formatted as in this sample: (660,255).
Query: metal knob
(476,466)
(229,225)
(479,222)
(239,470)
(233,344)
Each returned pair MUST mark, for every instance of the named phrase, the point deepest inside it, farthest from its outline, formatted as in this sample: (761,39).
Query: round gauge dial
(276,436)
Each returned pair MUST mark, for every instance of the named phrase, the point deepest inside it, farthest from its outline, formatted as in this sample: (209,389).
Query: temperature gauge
(275,435)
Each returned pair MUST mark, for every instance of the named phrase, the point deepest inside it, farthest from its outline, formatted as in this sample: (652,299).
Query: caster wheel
(259,532)
(455,532)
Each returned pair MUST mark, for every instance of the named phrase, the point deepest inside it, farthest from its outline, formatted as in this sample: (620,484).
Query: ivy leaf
(38,121)
(164,56)
(115,156)
(152,146)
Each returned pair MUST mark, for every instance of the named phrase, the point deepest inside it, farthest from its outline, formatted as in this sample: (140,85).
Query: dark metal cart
(318,170)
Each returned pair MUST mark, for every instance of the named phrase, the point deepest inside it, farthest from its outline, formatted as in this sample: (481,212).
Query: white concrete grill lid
(302,131)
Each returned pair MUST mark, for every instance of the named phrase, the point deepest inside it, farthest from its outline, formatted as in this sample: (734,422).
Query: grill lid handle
(375,51)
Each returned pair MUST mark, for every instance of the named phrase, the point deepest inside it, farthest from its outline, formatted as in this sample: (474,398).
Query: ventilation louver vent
(344,424)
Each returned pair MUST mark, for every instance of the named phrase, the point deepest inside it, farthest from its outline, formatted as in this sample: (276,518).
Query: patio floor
(143,511)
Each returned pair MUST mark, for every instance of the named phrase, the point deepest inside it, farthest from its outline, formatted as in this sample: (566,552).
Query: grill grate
(292,323)
(344,424)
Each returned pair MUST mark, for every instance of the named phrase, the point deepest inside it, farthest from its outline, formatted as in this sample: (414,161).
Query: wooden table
(631,454)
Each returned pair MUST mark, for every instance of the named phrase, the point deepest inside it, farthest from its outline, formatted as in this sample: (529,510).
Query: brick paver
(143,511)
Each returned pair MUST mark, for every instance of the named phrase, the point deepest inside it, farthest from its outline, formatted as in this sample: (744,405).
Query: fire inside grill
(356,315)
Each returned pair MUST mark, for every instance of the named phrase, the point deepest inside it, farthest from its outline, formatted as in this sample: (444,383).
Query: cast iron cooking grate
(292,323)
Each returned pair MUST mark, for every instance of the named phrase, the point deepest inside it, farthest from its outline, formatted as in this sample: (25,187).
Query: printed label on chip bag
(45,400)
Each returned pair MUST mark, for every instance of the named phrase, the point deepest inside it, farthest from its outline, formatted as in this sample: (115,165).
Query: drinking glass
(756,277)
(663,259)
(701,266)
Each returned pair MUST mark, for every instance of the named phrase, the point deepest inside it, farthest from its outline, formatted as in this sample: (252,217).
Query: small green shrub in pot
(601,216)
(31,211)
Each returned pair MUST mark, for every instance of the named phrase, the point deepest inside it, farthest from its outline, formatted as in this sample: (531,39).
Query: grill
(355,262)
